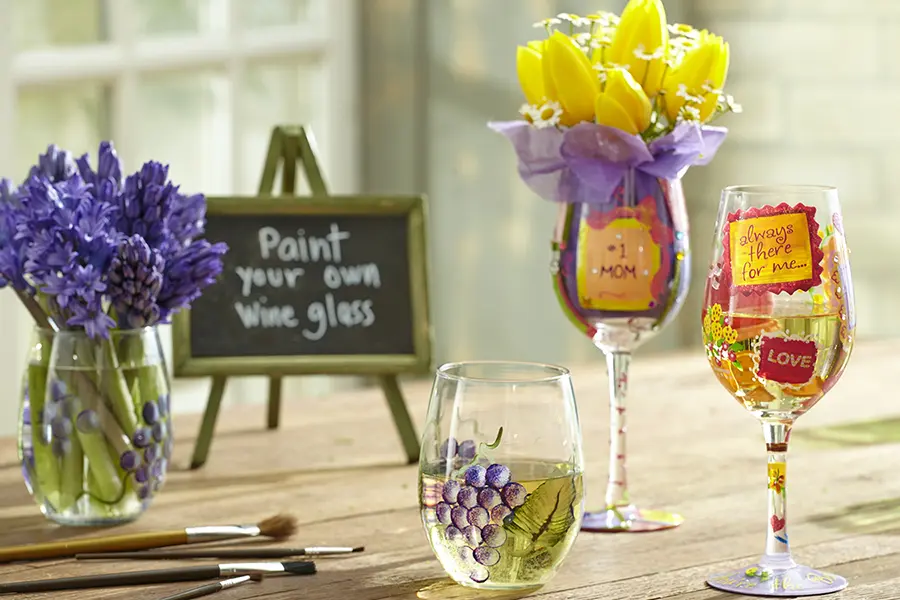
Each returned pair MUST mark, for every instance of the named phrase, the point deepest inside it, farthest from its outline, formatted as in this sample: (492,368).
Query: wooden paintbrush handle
(119,543)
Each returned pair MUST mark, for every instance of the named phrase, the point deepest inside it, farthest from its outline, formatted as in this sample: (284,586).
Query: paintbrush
(277,527)
(248,552)
(212,588)
(161,576)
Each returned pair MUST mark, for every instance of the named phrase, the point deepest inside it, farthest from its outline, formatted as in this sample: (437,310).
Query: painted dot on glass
(679,235)
(652,304)
(618,236)
(646,272)
(595,270)
(640,248)
(680,256)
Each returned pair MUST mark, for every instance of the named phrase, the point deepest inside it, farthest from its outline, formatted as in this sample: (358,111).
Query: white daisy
(547,115)
(689,113)
(683,30)
(641,55)
(547,22)
(574,19)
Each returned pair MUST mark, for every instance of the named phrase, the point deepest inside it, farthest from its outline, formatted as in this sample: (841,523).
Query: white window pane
(174,18)
(185,121)
(74,117)
(275,13)
(275,94)
(41,24)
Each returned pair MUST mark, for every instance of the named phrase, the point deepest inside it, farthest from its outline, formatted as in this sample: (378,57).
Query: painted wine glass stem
(778,550)
(617,486)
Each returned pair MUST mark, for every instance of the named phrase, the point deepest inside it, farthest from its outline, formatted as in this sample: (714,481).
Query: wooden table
(338,466)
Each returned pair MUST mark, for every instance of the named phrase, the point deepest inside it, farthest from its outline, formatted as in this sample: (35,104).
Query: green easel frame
(288,146)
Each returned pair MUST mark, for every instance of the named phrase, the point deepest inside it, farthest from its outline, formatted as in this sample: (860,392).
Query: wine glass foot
(629,519)
(793,582)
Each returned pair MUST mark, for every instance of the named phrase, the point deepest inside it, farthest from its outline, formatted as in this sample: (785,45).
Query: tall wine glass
(621,271)
(778,326)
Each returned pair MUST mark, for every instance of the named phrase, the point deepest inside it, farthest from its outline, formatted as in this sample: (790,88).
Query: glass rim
(768,189)
(550,373)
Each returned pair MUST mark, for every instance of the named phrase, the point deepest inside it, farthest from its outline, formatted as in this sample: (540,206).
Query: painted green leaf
(547,514)
(737,365)
(736,347)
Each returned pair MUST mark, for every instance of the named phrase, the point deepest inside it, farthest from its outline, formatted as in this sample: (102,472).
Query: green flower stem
(103,473)
(101,464)
(46,469)
(116,388)
(71,482)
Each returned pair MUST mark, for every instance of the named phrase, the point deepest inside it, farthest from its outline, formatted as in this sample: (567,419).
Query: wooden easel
(290,145)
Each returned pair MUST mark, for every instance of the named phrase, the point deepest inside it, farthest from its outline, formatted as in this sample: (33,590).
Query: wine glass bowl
(500,472)
(778,323)
(621,270)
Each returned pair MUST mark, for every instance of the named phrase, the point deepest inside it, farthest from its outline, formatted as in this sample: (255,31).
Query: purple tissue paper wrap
(585,163)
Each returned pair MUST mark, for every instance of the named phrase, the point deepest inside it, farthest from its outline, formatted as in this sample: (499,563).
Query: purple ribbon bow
(586,163)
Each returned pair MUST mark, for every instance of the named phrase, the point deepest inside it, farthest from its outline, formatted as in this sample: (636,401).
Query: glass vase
(95,433)
(500,475)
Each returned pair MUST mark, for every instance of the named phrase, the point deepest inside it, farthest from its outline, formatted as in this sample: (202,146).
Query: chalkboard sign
(311,285)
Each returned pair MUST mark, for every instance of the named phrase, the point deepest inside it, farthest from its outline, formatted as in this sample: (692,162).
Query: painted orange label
(618,264)
(773,249)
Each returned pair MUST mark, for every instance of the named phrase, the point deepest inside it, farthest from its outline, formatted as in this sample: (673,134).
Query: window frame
(330,37)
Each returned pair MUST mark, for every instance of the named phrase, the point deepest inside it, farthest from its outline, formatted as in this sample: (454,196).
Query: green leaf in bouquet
(736,347)
(547,514)
(737,365)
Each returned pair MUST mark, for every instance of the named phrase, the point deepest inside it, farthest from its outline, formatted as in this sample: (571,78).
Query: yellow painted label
(616,266)
(767,250)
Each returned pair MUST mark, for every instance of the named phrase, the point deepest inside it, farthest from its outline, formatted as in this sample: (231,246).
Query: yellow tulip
(530,71)
(641,42)
(612,114)
(621,87)
(700,75)
(569,78)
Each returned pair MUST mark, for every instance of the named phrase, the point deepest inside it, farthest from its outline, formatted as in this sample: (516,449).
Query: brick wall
(819,81)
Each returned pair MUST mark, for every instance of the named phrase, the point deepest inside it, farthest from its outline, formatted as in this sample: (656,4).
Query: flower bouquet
(617,109)
(615,95)
(99,260)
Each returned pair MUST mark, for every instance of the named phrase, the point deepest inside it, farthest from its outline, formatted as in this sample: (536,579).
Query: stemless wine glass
(778,326)
(500,474)
(621,272)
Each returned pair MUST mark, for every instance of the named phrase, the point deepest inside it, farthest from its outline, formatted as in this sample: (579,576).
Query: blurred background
(398,92)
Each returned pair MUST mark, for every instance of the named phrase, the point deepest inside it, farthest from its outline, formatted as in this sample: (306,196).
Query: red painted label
(786,361)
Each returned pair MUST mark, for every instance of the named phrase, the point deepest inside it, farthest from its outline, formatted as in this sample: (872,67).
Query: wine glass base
(793,582)
(629,519)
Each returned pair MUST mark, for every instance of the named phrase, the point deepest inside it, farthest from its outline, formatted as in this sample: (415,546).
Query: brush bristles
(278,527)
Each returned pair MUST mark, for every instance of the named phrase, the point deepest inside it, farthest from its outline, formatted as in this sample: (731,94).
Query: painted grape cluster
(474,508)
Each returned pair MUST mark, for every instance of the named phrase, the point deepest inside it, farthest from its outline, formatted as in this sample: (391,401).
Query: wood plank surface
(338,466)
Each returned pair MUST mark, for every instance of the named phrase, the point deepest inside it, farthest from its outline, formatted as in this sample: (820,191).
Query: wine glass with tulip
(617,109)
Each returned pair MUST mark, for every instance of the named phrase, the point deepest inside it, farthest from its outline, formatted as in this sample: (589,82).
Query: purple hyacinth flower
(141,437)
(129,460)
(143,492)
(135,280)
(187,273)
(150,412)
(57,390)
